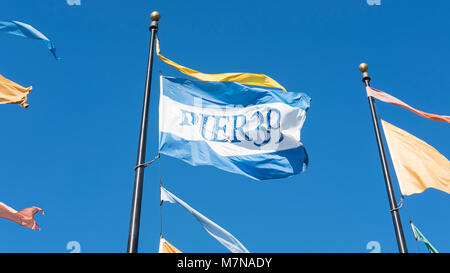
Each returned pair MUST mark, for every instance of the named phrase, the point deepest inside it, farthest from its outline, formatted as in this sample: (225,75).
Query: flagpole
(133,236)
(387,177)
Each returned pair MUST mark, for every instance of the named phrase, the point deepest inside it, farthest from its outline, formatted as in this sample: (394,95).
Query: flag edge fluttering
(22,92)
(422,238)
(234,246)
(239,77)
(385,97)
(24,217)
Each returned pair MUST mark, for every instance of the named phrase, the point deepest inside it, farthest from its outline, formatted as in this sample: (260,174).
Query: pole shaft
(387,178)
(133,236)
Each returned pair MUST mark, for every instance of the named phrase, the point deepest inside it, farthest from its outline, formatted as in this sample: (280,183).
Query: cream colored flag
(418,165)
(11,92)
(166,247)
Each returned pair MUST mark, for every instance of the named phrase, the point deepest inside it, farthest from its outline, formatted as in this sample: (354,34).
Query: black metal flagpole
(133,236)
(387,177)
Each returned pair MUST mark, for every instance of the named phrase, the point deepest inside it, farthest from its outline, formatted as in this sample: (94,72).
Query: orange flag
(166,247)
(393,100)
(418,165)
(11,92)
(24,217)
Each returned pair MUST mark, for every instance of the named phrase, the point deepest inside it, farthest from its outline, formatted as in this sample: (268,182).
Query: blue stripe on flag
(224,94)
(262,166)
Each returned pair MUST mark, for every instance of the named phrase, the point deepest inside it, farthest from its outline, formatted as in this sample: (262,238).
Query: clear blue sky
(72,152)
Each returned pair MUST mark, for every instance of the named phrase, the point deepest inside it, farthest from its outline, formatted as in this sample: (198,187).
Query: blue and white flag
(249,130)
(221,235)
(25,30)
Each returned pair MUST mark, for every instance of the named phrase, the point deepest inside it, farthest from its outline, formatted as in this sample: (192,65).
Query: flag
(393,100)
(243,78)
(419,237)
(24,217)
(11,92)
(166,247)
(221,235)
(253,131)
(25,30)
(418,166)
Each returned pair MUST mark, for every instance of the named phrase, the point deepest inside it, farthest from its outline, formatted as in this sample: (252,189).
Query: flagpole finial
(363,67)
(155,16)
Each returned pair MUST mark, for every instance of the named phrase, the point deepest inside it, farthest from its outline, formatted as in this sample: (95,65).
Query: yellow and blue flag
(243,123)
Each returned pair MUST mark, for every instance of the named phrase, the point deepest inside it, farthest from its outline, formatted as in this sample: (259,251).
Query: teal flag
(419,237)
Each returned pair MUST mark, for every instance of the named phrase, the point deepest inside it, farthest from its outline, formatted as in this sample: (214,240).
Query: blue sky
(72,152)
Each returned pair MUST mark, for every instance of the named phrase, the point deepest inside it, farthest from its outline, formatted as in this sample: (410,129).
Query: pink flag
(390,99)
(24,217)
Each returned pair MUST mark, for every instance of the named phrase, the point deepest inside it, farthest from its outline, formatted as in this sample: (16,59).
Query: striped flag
(253,131)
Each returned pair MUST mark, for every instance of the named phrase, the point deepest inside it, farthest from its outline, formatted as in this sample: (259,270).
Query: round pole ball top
(155,16)
(363,67)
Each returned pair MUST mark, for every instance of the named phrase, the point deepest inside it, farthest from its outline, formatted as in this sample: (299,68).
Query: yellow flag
(243,78)
(166,247)
(11,92)
(418,165)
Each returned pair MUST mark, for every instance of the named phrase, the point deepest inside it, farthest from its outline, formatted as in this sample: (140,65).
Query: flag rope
(147,163)
(410,221)
(399,205)
(159,166)
(160,200)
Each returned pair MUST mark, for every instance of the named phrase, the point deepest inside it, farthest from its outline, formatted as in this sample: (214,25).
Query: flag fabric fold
(12,93)
(420,237)
(385,97)
(243,78)
(166,247)
(220,234)
(418,165)
(253,131)
(24,217)
(27,31)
